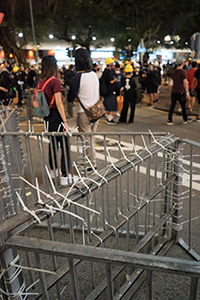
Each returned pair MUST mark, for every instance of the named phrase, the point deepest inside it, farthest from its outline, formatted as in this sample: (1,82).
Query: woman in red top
(190,76)
(56,117)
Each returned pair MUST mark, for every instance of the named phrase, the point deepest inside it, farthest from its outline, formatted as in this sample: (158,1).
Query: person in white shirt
(84,87)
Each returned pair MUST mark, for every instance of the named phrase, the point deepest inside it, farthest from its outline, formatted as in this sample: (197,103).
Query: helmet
(15,69)
(198,61)
(109,61)
(128,68)
(156,64)
(126,62)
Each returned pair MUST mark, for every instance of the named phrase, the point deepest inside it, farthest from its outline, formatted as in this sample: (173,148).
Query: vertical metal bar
(177,193)
(116,200)
(13,276)
(190,197)
(43,162)
(128,191)
(193,288)
(74,279)
(109,294)
(43,283)
(51,235)
(88,220)
(138,198)
(149,285)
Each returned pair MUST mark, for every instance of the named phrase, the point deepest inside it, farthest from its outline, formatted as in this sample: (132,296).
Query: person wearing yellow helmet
(129,89)
(19,78)
(107,90)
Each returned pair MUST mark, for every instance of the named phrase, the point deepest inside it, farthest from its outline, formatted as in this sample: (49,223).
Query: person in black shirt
(128,86)
(31,78)
(4,85)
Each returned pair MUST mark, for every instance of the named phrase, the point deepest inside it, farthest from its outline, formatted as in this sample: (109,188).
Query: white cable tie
(38,192)
(82,178)
(47,195)
(101,241)
(31,212)
(113,165)
(106,223)
(125,157)
(68,212)
(120,214)
(34,269)
(136,151)
(69,133)
(145,145)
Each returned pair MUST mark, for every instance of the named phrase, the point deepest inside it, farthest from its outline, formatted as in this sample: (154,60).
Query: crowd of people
(85,83)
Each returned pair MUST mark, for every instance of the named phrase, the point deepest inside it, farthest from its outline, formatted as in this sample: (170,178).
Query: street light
(112,39)
(167,38)
(20,34)
(51,36)
(94,38)
(73,37)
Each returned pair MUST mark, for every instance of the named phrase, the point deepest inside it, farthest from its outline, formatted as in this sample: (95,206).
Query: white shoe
(68,179)
(55,174)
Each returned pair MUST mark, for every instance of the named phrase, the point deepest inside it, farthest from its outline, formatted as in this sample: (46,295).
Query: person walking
(179,91)
(84,89)
(128,86)
(55,119)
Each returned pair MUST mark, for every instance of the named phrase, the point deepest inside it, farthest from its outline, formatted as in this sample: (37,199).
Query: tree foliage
(128,21)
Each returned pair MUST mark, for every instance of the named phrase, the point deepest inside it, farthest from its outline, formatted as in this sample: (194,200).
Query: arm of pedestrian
(185,83)
(193,83)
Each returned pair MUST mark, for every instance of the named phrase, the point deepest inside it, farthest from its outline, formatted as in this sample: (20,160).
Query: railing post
(177,192)
(12,278)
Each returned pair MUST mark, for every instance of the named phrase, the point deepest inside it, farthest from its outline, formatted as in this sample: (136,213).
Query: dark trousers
(54,144)
(52,123)
(181,98)
(124,111)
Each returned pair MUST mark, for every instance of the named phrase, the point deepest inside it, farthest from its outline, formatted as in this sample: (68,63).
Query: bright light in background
(186,43)
(171,42)
(129,40)
(20,34)
(94,38)
(112,39)
(158,42)
(167,38)
(51,36)
(73,37)
(177,38)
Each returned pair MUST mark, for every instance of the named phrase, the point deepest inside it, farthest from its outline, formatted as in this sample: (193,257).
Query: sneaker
(118,114)
(198,120)
(55,174)
(170,123)
(68,180)
(189,120)
(111,122)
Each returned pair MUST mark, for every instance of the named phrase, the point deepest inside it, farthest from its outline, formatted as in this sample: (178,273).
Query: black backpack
(104,90)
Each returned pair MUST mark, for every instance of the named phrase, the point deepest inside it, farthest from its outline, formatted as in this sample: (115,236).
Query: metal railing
(103,236)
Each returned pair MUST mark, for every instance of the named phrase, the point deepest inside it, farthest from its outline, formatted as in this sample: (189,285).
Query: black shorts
(152,89)
(198,95)
(110,103)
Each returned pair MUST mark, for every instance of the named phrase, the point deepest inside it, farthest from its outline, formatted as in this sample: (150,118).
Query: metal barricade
(104,236)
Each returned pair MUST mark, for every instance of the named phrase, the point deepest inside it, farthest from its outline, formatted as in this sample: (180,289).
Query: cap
(180,61)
